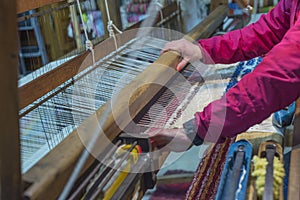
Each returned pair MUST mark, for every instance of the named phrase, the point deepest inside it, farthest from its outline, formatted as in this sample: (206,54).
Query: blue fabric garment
(242,69)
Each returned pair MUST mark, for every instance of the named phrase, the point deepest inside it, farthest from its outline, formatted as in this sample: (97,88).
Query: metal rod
(270,153)
(234,175)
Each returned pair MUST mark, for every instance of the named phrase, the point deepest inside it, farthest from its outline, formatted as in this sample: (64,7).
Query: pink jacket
(275,82)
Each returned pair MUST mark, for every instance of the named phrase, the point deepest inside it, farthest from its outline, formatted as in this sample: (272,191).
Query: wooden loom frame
(10,175)
(47,178)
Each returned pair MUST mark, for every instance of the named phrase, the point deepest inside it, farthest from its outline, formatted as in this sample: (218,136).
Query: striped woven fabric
(207,177)
(208,174)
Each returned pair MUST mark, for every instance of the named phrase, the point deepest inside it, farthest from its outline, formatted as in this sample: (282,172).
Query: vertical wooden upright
(10,178)
(76,28)
(296,132)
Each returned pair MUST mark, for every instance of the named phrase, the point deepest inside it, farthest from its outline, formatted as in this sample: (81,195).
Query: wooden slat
(26,5)
(296,123)
(294,177)
(10,176)
(207,27)
(49,175)
(47,82)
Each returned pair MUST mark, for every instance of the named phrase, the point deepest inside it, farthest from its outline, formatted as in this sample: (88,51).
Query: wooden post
(101,6)
(77,34)
(10,178)
(296,132)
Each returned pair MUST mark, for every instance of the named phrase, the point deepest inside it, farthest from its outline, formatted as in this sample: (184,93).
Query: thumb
(182,64)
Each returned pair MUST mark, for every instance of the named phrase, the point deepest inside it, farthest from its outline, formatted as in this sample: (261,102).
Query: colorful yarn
(259,172)
(207,177)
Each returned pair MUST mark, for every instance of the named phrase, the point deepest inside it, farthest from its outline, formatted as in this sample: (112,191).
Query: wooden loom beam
(47,177)
(207,27)
(10,175)
(26,5)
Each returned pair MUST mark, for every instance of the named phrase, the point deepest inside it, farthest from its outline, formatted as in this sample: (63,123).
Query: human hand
(189,51)
(170,139)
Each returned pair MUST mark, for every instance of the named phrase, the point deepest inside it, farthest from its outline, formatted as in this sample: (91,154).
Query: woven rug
(207,177)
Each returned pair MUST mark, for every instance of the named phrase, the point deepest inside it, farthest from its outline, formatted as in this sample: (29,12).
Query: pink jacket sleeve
(253,40)
(274,84)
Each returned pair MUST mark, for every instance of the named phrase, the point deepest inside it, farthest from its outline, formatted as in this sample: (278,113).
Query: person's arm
(273,85)
(253,40)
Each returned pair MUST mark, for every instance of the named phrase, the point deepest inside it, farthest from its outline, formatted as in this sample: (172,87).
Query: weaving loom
(52,118)
(113,97)
(53,113)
